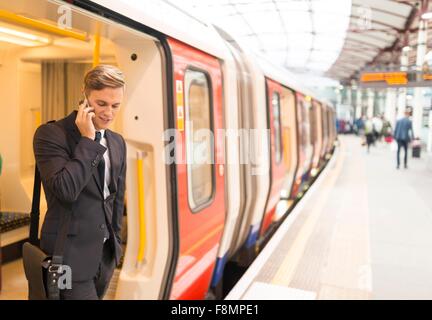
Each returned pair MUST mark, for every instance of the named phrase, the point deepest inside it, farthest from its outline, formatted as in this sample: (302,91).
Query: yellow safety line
(42,26)
(141,211)
(200,242)
(289,265)
(96,49)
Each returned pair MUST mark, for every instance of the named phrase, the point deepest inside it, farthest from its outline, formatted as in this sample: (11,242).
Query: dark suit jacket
(403,130)
(68,166)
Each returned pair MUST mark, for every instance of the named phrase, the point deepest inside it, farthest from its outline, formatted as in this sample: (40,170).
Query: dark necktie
(101,166)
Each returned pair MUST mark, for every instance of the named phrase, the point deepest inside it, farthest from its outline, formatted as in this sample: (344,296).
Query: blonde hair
(103,76)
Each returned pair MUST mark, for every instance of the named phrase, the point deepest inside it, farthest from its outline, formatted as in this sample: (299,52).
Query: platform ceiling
(331,38)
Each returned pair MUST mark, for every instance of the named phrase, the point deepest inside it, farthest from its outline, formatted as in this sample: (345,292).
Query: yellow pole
(41,26)
(141,208)
(96,50)
(38,119)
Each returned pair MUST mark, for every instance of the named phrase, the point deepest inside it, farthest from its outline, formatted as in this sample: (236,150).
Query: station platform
(362,231)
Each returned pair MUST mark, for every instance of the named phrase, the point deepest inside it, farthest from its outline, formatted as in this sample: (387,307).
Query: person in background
(378,125)
(361,125)
(387,130)
(369,131)
(403,134)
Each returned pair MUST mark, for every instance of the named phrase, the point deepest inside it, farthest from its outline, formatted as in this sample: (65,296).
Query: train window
(312,120)
(288,119)
(277,126)
(305,132)
(199,139)
(323,116)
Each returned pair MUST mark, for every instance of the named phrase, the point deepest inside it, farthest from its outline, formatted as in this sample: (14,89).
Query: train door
(290,148)
(278,166)
(318,136)
(200,171)
(307,126)
(333,127)
(325,131)
(50,71)
(305,146)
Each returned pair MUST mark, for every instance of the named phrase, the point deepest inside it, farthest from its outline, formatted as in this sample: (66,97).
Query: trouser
(369,140)
(402,144)
(96,288)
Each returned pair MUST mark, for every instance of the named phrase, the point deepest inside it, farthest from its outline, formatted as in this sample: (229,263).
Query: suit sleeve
(396,133)
(65,175)
(120,197)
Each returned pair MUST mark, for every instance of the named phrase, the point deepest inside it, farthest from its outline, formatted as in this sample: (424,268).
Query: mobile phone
(87,104)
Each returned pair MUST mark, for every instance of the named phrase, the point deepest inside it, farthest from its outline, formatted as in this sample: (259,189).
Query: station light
(427,16)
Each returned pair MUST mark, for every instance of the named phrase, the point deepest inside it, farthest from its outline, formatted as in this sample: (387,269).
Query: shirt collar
(102,131)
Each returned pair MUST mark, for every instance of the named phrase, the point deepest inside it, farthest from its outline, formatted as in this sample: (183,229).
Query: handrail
(141,207)
(96,49)
(41,25)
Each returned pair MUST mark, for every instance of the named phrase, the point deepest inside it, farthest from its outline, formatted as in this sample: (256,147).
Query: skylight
(302,35)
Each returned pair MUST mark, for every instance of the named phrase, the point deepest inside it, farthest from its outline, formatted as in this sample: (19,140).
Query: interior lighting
(22,38)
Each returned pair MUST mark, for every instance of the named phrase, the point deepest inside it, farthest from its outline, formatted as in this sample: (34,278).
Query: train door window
(305,124)
(325,127)
(288,119)
(199,139)
(312,119)
(277,126)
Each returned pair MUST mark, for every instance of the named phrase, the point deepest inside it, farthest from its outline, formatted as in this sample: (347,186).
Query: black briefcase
(36,266)
(41,270)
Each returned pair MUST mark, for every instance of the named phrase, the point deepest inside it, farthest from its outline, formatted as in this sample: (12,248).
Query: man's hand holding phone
(84,120)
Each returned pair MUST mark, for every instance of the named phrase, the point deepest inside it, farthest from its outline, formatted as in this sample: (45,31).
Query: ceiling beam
(397,42)
(380,10)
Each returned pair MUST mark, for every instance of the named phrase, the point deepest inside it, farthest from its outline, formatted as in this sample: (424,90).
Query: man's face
(106,104)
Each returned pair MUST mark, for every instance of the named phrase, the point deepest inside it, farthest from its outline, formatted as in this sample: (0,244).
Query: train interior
(42,65)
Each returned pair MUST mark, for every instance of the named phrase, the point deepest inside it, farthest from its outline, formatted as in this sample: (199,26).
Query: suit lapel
(113,149)
(97,179)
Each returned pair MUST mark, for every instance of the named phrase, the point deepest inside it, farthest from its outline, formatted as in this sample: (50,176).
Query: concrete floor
(400,215)
(365,233)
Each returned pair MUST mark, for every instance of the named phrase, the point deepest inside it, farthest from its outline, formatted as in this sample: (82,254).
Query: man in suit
(82,165)
(403,134)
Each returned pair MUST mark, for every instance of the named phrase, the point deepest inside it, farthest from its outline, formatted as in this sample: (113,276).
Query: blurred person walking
(369,130)
(403,134)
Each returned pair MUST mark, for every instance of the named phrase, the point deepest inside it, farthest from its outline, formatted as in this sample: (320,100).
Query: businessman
(403,134)
(82,165)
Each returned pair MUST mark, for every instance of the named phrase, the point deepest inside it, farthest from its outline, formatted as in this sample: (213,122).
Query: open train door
(279,167)
(200,168)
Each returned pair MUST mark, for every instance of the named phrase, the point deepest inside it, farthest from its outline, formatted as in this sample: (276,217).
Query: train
(193,91)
